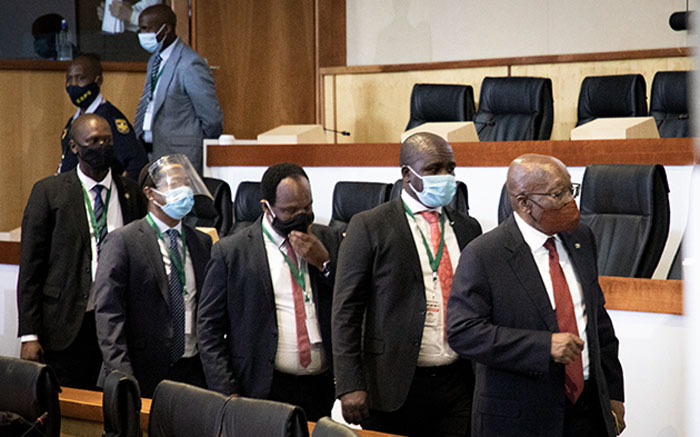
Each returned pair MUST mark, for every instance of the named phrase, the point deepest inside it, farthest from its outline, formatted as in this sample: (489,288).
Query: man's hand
(101,11)
(618,409)
(354,405)
(31,350)
(566,347)
(310,248)
(120,10)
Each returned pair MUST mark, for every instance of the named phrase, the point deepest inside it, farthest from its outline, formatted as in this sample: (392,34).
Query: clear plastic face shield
(174,171)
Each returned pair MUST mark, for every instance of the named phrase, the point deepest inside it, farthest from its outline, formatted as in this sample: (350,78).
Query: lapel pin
(126,195)
(577,245)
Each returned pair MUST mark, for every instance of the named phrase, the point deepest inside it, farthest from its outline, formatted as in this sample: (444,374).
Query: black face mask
(83,96)
(98,157)
(299,222)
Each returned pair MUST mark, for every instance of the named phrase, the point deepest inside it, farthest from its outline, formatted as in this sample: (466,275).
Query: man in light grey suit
(178,107)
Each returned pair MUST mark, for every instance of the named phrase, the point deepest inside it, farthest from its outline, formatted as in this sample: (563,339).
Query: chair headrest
(349,198)
(441,102)
(246,207)
(184,410)
(514,95)
(624,189)
(669,92)
(121,404)
(622,95)
(244,416)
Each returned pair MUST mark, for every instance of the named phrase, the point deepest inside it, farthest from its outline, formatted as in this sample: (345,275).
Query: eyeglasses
(574,190)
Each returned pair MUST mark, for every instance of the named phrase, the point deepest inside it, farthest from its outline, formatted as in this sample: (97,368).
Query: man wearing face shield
(394,369)
(526,306)
(178,107)
(149,281)
(264,319)
(83,82)
(65,223)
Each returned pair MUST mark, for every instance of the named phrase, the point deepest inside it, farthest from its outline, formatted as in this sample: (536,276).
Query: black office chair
(622,95)
(326,427)
(349,198)
(505,209)
(28,390)
(669,103)
(182,410)
(676,270)
(216,213)
(515,108)
(440,102)
(460,202)
(246,205)
(121,406)
(626,206)
(256,417)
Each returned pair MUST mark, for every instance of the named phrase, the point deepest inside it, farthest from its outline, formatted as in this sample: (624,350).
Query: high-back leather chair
(257,417)
(676,270)
(326,427)
(515,108)
(216,213)
(121,406)
(505,209)
(182,410)
(440,102)
(626,206)
(669,103)
(349,198)
(27,391)
(622,95)
(246,205)
(460,202)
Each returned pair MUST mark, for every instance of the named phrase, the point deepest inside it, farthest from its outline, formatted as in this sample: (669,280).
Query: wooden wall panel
(263,54)
(35,109)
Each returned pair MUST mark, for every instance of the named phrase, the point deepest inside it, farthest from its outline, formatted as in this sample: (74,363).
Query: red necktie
(300,313)
(566,318)
(445,267)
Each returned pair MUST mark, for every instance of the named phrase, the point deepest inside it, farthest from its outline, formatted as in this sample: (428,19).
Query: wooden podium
(617,128)
(451,131)
(294,134)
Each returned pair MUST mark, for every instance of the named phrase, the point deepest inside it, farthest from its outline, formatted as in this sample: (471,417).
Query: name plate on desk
(294,134)
(616,128)
(451,131)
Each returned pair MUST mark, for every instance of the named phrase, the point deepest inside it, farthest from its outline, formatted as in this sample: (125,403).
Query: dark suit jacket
(238,301)
(500,316)
(132,301)
(379,278)
(55,256)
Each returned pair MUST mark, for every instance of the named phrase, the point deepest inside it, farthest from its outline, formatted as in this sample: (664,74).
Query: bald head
(86,124)
(418,145)
(532,172)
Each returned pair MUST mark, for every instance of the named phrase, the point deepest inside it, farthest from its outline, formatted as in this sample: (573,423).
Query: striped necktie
(177,302)
(147,96)
(99,210)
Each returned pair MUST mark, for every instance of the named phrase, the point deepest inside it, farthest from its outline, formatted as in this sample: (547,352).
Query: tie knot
(172,233)
(551,246)
(430,216)
(97,189)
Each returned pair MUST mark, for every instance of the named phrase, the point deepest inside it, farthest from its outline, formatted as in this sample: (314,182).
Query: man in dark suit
(394,370)
(178,107)
(83,81)
(65,221)
(145,295)
(264,319)
(526,306)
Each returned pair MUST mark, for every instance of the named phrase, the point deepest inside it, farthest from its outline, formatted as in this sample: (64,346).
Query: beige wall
(35,107)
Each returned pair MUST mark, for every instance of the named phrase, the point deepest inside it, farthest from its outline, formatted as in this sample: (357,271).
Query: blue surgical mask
(179,202)
(438,190)
(149,40)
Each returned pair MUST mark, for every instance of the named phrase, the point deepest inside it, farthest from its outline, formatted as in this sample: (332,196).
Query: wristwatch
(326,268)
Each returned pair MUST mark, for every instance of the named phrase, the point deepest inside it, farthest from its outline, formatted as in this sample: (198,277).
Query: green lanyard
(175,260)
(97,226)
(434,262)
(154,81)
(299,274)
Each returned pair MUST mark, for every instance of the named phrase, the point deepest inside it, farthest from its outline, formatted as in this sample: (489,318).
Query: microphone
(341,132)
(680,20)
(39,420)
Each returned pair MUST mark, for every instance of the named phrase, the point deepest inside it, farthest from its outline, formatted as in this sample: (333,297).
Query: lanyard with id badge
(148,116)
(299,275)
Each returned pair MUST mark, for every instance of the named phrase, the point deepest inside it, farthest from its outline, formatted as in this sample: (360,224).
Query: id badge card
(148,116)
(432,313)
(312,323)
(189,322)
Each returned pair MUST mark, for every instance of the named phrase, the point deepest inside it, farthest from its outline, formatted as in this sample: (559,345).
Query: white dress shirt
(536,239)
(164,55)
(190,284)
(287,357)
(434,350)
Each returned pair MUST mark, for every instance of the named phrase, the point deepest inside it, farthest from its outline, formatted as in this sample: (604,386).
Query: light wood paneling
(643,295)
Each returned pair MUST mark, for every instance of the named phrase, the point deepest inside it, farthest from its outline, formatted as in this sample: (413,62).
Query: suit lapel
(77,203)
(405,243)
(124,199)
(581,264)
(258,259)
(167,76)
(196,254)
(149,241)
(524,267)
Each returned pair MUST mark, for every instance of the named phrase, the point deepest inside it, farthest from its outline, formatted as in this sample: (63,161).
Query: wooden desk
(81,414)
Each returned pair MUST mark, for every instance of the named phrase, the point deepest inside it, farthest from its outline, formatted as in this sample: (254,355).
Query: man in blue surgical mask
(178,106)
(394,370)
(83,82)
(147,285)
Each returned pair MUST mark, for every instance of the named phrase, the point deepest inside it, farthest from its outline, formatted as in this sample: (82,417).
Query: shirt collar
(89,183)
(534,238)
(165,53)
(415,206)
(93,106)
(164,227)
(277,238)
